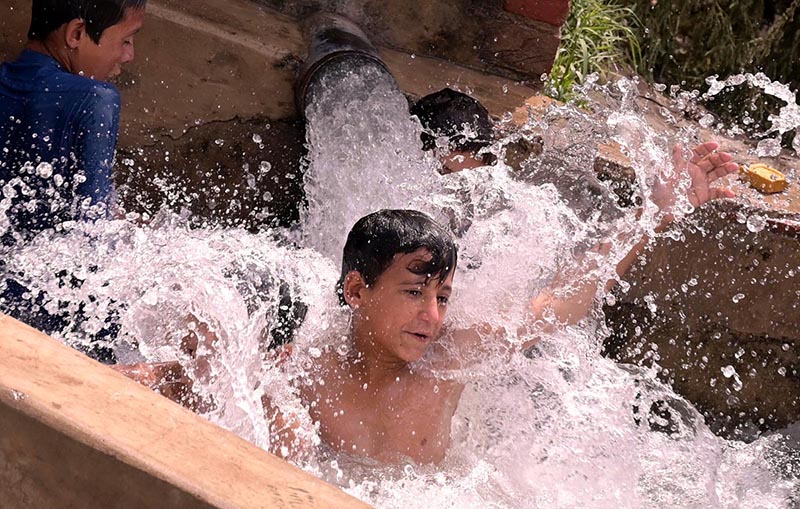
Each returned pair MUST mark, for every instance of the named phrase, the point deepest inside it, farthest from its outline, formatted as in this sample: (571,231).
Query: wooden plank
(74,433)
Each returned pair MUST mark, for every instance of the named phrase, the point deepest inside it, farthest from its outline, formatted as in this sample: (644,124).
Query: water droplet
(257,139)
(315,352)
(707,120)
(756,223)
(737,298)
(17,395)
(728,371)
(769,147)
(219,142)
(264,166)
(150,298)
(650,301)
(782,371)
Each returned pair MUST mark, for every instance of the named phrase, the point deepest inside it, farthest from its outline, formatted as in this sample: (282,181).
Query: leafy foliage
(684,41)
(600,36)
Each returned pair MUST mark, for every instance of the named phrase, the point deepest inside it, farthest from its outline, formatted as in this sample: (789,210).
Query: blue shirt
(58,132)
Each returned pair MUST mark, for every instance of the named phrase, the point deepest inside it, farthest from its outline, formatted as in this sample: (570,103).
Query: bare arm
(170,378)
(165,378)
(705,166)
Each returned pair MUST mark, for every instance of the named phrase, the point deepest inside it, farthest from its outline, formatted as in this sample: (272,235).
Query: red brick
(553,12)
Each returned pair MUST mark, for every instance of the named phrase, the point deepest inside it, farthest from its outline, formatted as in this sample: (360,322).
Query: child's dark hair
(445,113)
(47,16)
(375,240)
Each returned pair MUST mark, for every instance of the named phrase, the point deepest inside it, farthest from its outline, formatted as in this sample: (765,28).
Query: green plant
(684,41)
(600,36)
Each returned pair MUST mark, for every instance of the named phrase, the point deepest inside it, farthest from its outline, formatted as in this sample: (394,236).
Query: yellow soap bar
(764,178)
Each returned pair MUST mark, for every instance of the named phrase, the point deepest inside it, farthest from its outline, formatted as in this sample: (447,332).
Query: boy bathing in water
(397,277)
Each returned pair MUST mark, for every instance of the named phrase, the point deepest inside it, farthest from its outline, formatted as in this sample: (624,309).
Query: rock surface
(515,39)
(716,305)
(715,302)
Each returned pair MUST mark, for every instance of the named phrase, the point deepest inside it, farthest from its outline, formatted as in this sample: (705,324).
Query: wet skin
(372,402)
(460,160)
(77,53)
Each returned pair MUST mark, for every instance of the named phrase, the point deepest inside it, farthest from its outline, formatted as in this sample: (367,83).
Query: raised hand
(705,166)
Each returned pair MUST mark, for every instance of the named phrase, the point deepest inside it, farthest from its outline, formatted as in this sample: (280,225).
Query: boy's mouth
(421,337)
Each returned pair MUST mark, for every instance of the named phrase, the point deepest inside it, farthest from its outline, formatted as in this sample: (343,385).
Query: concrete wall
(719,295)
(213,70)
(517,39)
(76,434)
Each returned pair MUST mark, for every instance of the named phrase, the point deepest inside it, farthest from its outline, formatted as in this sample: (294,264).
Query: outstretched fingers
(704,149)
(718,165)
(721,192)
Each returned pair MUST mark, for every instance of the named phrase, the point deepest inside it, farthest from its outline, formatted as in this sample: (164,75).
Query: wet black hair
(47,16)
(446,112)
(376,238)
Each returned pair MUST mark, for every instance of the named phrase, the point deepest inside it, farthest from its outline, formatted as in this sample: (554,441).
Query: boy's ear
(353,288)
(75,33)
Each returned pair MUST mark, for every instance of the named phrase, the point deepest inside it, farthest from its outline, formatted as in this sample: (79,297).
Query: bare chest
(408,421)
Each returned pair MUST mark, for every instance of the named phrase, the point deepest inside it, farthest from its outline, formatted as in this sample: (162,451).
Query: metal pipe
(332,38)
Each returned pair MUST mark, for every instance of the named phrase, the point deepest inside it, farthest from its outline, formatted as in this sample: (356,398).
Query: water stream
(558,427)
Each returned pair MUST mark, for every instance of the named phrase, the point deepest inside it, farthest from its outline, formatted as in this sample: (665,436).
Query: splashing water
(370,160)
(787,120)
(559,427)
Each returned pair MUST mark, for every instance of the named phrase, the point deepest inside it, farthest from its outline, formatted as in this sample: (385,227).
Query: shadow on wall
(243,173)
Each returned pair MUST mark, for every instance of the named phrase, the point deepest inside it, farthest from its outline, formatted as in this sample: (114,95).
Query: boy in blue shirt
(59,119)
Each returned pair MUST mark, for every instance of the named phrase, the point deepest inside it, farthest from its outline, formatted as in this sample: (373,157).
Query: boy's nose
(430,309)
(128,54)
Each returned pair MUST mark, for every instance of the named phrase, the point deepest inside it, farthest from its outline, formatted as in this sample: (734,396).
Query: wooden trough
(76,434)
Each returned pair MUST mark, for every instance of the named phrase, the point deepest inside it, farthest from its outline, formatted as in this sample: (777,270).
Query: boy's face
(459,160)
(402,313)
(104,60)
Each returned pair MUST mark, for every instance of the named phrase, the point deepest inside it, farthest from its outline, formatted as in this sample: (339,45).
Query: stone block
(512,46)
(714,305)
